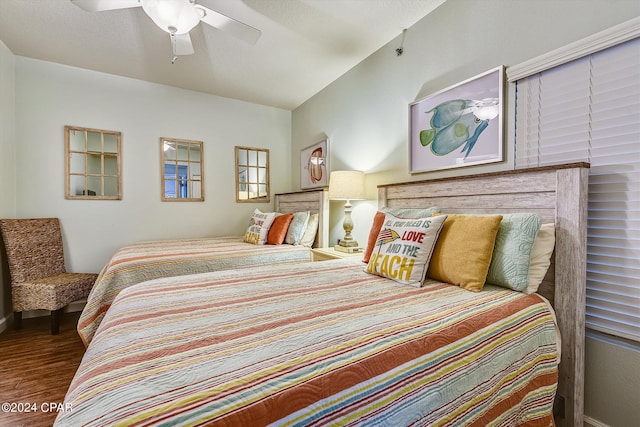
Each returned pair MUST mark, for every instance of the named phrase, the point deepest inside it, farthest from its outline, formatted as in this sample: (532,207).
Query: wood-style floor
(36,369)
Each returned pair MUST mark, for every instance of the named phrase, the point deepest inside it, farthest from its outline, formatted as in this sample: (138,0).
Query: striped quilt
(315,345)
(139,262)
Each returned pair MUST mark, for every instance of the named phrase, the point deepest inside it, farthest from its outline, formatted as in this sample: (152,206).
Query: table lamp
(347,185)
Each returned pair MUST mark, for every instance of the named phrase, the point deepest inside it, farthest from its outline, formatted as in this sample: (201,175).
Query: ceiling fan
(177,17)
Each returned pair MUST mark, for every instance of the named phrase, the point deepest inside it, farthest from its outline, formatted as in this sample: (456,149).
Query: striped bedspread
(314,345)
(139,262)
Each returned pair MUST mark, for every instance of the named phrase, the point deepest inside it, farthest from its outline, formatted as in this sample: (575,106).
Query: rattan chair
(39,280)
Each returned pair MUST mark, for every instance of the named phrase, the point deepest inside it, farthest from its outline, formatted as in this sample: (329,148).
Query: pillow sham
(278,230)
(541,256)
(258,227)
(509,266)
(378,219)
(463,251)
(309,236)
(411,212)
(404,247)
(297,228)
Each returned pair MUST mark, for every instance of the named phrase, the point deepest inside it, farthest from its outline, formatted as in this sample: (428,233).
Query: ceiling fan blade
(229,25)
(100,5)
(181,44)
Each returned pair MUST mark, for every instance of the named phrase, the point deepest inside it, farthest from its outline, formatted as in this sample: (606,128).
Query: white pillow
(259,227)
(541,256)
(309,236)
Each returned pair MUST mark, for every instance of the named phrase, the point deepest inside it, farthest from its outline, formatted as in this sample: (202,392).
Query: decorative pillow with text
(378,219)
(404,247)
(258,227)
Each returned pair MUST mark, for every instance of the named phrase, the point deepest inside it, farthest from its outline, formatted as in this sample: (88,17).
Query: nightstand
(324,254)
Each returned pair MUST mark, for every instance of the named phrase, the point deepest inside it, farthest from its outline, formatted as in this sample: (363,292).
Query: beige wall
(7,161)
(365,116)
(39,98)
(612,380)
(50,96)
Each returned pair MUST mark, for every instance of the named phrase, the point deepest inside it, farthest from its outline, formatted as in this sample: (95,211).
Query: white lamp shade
(173,16)
(346,185)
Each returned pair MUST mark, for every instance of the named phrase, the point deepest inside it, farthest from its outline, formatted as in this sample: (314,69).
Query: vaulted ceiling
(304,46)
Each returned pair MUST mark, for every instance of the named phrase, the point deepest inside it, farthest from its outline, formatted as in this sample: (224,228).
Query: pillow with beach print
(403,248)
(259,227)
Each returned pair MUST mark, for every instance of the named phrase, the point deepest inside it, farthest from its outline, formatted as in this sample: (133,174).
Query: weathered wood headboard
(315,201)
(559,195)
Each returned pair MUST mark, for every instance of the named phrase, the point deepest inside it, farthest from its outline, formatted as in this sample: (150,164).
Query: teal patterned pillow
(297,228)
(512,251)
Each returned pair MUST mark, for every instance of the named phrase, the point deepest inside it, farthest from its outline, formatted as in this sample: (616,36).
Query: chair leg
(56,317)
(17,320)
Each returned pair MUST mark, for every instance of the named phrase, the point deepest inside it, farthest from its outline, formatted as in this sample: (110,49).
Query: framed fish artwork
(314,165)
(461,125)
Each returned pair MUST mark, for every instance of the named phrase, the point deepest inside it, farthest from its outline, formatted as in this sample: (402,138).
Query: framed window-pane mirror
(182,169)
(252,175)
(92,164)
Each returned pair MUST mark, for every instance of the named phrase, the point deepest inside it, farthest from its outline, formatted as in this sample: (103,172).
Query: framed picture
(314,165)
(458,126)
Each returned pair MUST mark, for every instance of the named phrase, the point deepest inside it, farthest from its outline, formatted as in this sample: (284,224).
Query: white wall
(49,96)
(365,116)
(7,161)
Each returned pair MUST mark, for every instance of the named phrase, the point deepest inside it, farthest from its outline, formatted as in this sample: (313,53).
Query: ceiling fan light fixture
(173,16)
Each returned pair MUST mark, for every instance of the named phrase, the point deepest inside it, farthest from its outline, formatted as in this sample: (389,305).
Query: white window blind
(589,110)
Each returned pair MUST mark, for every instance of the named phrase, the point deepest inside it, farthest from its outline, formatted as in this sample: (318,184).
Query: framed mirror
(92,164)
(182,170)
(252,175)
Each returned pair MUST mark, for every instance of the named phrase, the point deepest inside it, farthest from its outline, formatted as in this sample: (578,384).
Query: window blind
(589,110)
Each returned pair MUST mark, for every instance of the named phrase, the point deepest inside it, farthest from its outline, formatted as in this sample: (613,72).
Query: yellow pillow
(463,251)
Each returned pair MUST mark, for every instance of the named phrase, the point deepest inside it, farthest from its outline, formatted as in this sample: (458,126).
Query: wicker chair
(39,280)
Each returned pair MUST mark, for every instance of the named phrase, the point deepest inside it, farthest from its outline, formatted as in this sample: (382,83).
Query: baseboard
(74,306)
(591,422)
(29,314)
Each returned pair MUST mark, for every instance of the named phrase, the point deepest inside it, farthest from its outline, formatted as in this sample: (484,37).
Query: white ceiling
(305,44)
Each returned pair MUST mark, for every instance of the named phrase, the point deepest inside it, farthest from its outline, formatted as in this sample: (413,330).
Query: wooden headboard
(314,201)
(559,195)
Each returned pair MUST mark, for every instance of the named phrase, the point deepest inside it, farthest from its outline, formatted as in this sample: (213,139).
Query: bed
(327,343)
(143,261)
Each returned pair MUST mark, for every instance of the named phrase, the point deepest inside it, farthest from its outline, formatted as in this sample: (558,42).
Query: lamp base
(349,249)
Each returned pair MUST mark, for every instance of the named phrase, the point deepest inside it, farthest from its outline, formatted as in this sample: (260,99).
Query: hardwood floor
(36,369)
